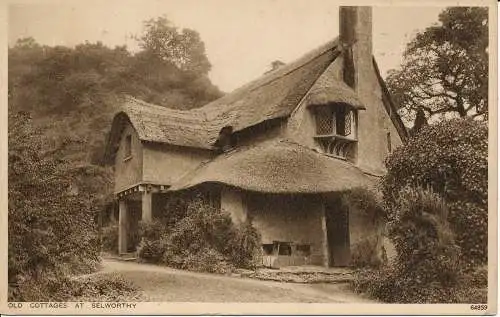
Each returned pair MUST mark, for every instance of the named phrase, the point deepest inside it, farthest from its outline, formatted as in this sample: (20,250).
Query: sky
(241,38)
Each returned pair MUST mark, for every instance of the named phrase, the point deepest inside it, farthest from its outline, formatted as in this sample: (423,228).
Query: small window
(325,121)
(128,146)
(389,145)
(344,121)
(335,120)
(304,249)
(285,248)
(268,248)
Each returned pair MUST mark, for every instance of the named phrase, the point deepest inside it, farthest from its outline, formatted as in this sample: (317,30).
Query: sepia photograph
(307,153)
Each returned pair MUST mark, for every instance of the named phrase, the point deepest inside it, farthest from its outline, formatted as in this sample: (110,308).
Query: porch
(135,204)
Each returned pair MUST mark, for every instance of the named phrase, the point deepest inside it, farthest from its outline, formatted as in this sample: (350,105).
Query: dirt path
(167,285)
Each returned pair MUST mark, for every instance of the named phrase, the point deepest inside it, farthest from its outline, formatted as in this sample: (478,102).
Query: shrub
(110,237)
(98,287)
(364,254)
(422,238)
(245,246)
(152,245)
(426,268)
(50,228)
(205,239)
(451,158)
(365,202)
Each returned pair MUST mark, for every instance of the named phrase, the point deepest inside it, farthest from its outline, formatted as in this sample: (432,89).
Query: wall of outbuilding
(128,170)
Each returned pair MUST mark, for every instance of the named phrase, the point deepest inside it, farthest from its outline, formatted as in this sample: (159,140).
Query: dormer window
(336,129)
(226,140)
(335,120)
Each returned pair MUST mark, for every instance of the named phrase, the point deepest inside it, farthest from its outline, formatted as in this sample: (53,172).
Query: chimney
(356,44)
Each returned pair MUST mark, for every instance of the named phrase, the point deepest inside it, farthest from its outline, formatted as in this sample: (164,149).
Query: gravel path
(162,284)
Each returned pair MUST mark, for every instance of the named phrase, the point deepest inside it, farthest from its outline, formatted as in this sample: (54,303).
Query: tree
(445,68)
(451,158)
(51,227)
(184,49)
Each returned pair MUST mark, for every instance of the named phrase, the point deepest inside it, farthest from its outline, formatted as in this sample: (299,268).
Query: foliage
(73,92)
(426,269)
(110,237)
(152,246)
(49,226)
(363,203)
(57,184)
(184,49)
(364,254)
(99,287)
(422,238)
(445,68)
(204,239)
(451,158)
(245,246)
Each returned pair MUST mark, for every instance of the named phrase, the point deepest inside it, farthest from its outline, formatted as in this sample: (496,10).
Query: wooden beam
(324,229)
(123,227)
(147,206)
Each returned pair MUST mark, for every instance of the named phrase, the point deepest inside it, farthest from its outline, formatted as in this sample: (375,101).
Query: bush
(50,228)
(366,203)
(152,244)
(99,287)
(426,268)
(451,158)
(205,239)
(110,238)
(245,246)
(364,254)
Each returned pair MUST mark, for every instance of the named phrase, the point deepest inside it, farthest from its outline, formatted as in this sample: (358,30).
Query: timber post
(122,227)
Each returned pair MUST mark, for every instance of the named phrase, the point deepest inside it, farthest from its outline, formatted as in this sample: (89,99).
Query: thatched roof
(164,125)
(276,94)
(276,167)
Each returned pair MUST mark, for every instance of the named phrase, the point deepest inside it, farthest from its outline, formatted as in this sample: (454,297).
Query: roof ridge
(273,76)
(325,49)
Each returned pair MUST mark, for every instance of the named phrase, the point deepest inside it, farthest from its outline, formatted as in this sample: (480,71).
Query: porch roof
(277,167)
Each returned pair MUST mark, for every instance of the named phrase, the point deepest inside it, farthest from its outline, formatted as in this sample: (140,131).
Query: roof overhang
(334,94)
(277,167)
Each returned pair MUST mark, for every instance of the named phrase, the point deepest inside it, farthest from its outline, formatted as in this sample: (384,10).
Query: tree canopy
(445,68)
(61,103)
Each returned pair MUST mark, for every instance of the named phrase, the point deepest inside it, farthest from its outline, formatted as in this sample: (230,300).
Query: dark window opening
(128,146)
(285,248)
(389,145)
(343,126)
(304,249)
(268,249)
(226,140)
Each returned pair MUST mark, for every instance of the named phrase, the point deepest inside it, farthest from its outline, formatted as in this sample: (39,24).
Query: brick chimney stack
(356,43)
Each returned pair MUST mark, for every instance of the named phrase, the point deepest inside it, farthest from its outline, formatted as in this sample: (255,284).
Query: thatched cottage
(277,151)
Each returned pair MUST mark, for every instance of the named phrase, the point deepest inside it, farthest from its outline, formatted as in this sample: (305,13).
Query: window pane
(128,145)
(344,121)
(324,121)
(285,248)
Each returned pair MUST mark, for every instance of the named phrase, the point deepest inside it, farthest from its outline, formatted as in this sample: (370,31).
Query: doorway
(337,229)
